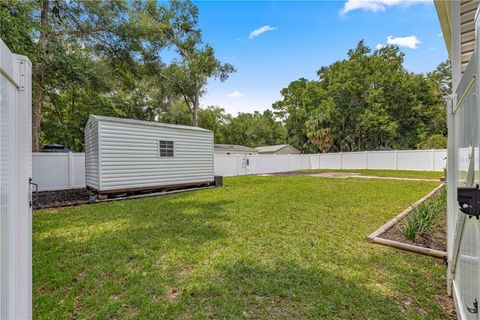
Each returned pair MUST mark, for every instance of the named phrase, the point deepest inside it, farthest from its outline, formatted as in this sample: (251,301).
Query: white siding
(128,155)
(467,26)
(91,154)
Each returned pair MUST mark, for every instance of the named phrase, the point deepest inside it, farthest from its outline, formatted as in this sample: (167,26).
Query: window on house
(166,148)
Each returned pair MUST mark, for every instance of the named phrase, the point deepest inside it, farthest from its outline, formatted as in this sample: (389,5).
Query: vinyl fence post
(433,159)
(366,159)
(70,169)
(341,161)
(396,160)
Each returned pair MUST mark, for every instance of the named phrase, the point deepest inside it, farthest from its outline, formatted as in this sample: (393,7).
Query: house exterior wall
(128,156)
(463,234)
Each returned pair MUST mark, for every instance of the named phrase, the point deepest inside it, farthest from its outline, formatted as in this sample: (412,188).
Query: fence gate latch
(31,183)
(475,307)
(468,200)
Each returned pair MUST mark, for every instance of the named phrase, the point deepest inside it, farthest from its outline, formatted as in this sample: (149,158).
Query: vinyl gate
(15,193)
(463,166)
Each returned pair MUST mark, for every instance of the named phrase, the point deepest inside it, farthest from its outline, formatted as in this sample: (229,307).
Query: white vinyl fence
(236,165)
(56,171)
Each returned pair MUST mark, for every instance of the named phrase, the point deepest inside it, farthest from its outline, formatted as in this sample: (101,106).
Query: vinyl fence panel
(382,160)
(416,160)
(354,160)
(330,161)
(266,164)
(225,165)
(314,161)
(57,171)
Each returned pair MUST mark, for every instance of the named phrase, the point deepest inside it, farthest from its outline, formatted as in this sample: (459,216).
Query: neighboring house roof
(273,149)
(147,123)
(233,147)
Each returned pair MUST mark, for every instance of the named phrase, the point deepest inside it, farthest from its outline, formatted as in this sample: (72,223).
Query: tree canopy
(364,102)
(105,58)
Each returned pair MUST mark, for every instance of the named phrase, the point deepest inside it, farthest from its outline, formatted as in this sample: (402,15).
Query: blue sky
(300,37)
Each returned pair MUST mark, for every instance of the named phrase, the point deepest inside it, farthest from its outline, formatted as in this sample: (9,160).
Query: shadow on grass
(89,257)
(288,290)
(169,218)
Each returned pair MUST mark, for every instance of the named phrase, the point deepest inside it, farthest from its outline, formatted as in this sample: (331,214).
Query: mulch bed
(73,197)
(61,198)
(435,238)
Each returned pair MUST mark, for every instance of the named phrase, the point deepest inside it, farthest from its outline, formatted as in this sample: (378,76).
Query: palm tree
(318,134)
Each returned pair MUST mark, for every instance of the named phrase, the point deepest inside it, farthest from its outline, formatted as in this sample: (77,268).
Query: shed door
(15,196)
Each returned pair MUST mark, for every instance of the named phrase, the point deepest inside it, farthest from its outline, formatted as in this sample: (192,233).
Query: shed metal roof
(147,123)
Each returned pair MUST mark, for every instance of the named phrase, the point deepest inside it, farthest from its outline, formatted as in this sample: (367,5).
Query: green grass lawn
(386,173)
(258,248)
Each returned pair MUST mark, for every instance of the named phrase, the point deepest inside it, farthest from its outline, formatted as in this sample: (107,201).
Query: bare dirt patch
(447,304)
(333,174)
(314,174)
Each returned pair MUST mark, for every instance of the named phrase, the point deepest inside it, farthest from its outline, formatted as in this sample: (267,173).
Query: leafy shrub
(423,216)
(435,141)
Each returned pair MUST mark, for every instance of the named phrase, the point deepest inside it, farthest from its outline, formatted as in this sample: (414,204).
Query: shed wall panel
(129,156)
(92,161)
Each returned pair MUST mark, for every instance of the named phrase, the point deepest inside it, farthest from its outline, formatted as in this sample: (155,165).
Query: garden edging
(375,238)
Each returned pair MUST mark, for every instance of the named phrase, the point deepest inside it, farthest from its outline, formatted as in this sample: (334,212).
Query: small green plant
(423,216)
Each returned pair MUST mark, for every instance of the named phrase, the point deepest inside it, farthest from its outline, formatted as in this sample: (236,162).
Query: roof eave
(444,12)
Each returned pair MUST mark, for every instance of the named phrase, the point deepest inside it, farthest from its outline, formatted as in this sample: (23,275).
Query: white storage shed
(131,155)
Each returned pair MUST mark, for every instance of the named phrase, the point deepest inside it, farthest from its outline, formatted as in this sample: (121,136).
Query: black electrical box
(218,181)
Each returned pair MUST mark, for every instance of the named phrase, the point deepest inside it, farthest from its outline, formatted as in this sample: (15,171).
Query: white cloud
(409,42)
(379,46)
(376,5)
(259,31)
(235,94)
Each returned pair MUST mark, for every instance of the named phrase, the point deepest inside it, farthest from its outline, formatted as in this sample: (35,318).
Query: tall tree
(68,41)
(255,129)
(319,132)
(215,119)
(300,99)
(105,57)
(364,102)
(177,26)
